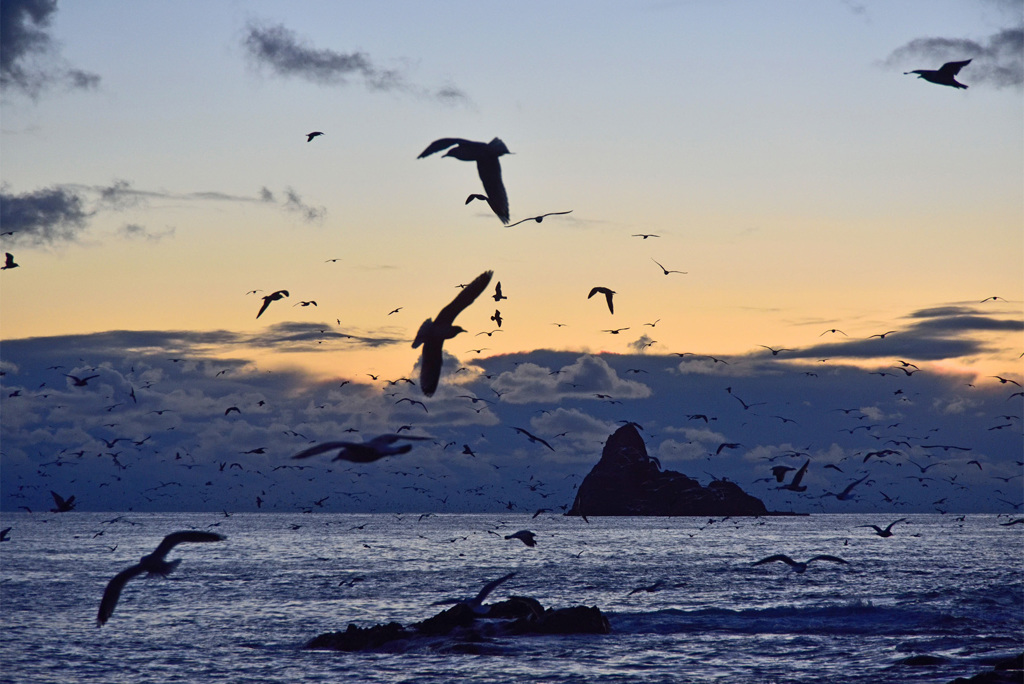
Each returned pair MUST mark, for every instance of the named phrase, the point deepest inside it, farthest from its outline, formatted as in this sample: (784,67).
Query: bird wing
(800,473)
(58,499)
(441,144)
(175,538)
(466,297)
(266,303)
(489,170)
(321,448)
(608,297)
(854,484)
(953,68)
(113,592)
(834,559)
(491,586)
(778,557)
(430,365)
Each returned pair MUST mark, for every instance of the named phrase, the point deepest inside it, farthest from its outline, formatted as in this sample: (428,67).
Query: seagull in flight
(363,452)
(63,505)
(525,536)
(273,297)
(486,157)
(81,382)
(475,604)
(533,438)
(797,566)
(944,75)
(644,235)
(154,564)
(433,333)
(310,136)
(665,270)
(887,532)
(607,295)
(497,292)
(845,494)
(540,218)
(8,262)
(795,485)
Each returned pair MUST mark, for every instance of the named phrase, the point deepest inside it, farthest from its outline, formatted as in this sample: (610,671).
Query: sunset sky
(155,169)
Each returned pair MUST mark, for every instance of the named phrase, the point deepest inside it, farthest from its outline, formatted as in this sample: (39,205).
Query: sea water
(241,610)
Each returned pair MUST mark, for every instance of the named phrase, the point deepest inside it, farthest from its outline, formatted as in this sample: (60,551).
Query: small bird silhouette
(497,318)
(487,167)
(8,262)
(644,235)
(607,295)
(310,136)
(525,536)
(433,333)
(363,452)
(797,566)
(533,438)
(280,294)
(497,292)
(154,564)
(81,382)
(887,532)
(794,485)
(665,270)
(944,75)
(540,218)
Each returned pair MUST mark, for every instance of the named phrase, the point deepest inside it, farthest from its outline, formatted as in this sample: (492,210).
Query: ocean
(240,610)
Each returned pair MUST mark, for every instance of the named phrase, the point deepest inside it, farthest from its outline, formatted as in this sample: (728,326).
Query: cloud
(29,62)
(134,231)
(43,217)
(285,54)
(309,214)
(997,61)
(586,377)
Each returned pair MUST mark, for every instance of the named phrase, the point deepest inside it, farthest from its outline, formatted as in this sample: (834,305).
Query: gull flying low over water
(795,485)
(540,218)
(533,438)
(607,295)
(944,75)
(363,452)
(433,333)
(486,157)
(62,505)
(797,566)
(154,564)
(475,604)
(273,297)
(525,536)
(887,532)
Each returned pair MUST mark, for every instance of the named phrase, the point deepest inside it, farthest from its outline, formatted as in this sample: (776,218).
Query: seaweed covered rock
(626,481)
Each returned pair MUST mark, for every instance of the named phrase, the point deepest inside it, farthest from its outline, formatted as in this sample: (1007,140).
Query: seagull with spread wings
(607,296)
(797,566)
(363,452)
(273,297)
(533,438)
(433,333)
(486,157)
(944,75)
(154,564)
(540,218)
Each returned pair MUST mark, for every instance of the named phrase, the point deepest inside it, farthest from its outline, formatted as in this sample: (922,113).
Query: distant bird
(5,534)
(475,604)
(154,564)
(833,330)
(412,401)
(486,157)
(310,302)
(271,298)
(525,536)
(81,382)
(497,318)
(229,409)
(775,352)
(533,438)
(779,472)
(728,445)
(482,198)
(310,136)
(797,566)
(433,333)
(944,75)
(363,452)
(794,485)
(1003,381)
(540,218)
(607,295)
(992,299)
(8,262)
(497,292)
(63,505)
(665,270)
(644,235)
(887,532)
(845,494)
(881,336)
(615,331)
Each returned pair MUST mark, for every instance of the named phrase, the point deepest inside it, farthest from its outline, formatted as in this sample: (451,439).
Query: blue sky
(155,170)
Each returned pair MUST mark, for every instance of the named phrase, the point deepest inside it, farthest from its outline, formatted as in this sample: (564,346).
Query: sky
(818,201)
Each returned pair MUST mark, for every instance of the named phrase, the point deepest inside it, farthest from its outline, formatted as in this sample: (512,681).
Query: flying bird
(779,472)
(525,536)
(310,136)
(944,75)
(607,295)
(497,292)
(797,566)
(63,505)
(644,235)
(794,485)
(8,262)
(665,270)
(486,157)
(540,218)
(845,494)
(533,438)
(497,318)
(81,382)
(363,452)
(887,532)
(475,604)
(433,333)
(154,564)
(280,294)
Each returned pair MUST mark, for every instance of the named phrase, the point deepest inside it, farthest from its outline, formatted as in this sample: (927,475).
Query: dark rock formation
(626,481)
(458,629)
(1008,671)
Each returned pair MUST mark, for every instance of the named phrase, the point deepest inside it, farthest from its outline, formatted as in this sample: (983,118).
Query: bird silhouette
(665,270)
(944,75)
(644,235)
(475,604)
(497,292)
(845,494)
(81,382)
(797,566)
(433,333)
(310,136)
(8,262)
(887,532)
(794,485)
(525,536)
(486,157)
(363,452)
(280,294)
(63,505)
(497,318)
(607,295)
(533,438)
(615,331)
(540,218)
(154,564)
